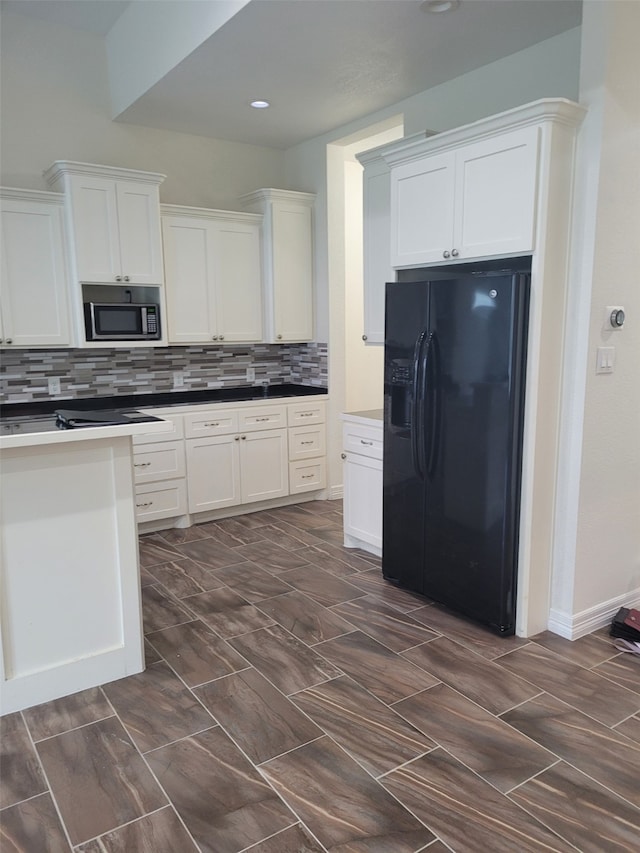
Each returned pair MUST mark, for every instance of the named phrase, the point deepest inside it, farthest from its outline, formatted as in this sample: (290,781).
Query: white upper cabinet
(114,220)
(473,201)
(213,275)
(287,252)
(33,295)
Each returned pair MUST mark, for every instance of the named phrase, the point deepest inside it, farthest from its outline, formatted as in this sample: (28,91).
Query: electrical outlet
(178,379)
(251,374)
(54,385)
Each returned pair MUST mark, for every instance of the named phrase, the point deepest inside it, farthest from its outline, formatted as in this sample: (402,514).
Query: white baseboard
(577,625)
(336,493)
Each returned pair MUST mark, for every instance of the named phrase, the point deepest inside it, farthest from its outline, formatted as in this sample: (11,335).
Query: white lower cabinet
(159,473)
(362,455)
(217,457)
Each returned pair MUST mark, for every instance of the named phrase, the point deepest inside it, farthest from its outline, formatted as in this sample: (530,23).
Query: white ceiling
(321,63)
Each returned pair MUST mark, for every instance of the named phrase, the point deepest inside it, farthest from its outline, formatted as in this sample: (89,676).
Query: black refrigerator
(455,351)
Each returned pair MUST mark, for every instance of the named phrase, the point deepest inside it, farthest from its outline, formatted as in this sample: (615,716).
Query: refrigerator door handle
(433,360)
(417,414)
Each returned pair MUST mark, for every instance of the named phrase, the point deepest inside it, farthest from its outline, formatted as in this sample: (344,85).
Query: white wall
(597,556)
(55,106)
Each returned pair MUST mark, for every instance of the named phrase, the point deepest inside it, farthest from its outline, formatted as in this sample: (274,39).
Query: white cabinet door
(94,225)
(422,209)
(377,246)
(363,501)
(475,201)
(34,298)
(213,472)
(292,273)
(116,230)
(237,281)
(287,246)
(189,280)
(139,232)
(213,277)
(495,199)
(264,465)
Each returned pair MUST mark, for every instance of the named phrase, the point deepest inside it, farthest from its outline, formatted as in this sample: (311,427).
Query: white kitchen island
(70,612)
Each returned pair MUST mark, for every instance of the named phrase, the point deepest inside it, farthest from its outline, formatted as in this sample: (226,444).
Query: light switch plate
(605,359)
(54,385)
(251,374)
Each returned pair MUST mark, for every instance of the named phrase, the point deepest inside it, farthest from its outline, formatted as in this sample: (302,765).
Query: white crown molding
(42,196)
(270,194)
(62,168)
(206,213)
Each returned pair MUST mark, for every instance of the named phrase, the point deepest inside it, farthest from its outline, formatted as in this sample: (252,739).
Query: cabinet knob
(364,338)
(221,337)
(118,278)
(243,437)
(446,254)
(214,338)
(237,438)
(126,278)
(279,337)
(455,253)
(9,341)
(343,456)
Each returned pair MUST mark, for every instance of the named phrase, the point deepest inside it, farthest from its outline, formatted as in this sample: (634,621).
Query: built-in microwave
(116,321)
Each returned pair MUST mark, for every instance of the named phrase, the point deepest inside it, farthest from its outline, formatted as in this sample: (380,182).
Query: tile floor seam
(97,838)
(73,728)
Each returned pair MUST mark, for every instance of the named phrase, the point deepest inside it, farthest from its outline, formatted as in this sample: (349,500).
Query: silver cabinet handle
(306,414)
(343,456)
(141,464)
(261,420)
(126,278)
(455,253)
(306,477)
(446,254)
(306,442)
(367,443)
(364,338)
(148,503)
(212,424)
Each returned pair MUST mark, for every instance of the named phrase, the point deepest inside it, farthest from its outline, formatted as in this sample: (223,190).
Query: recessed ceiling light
(260,105)
(437,6)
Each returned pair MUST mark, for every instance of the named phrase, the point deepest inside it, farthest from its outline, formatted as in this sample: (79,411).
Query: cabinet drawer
(161,500)
(307,476)
(307,442)
(176,432)
(305,414)
(367,441)
(272,417)
(202,424)
(159,462)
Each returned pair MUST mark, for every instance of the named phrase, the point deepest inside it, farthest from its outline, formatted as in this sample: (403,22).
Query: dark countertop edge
(237,394)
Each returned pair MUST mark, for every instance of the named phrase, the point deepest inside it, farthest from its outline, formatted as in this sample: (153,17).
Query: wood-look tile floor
(295,702)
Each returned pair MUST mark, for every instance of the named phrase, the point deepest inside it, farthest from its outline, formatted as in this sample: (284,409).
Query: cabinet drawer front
(305,414)
(176,432)
(367,441)
(159,462)
(307,442)
(307,476)
(272,417)
(161,500)
(210,423)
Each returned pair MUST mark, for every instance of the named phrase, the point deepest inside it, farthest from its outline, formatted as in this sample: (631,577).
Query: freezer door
(475,399)
(406,335)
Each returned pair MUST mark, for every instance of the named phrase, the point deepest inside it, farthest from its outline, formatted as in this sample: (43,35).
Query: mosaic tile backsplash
(24,374)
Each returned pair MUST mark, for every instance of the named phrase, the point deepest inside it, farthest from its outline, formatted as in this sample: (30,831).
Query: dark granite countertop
(239,394)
